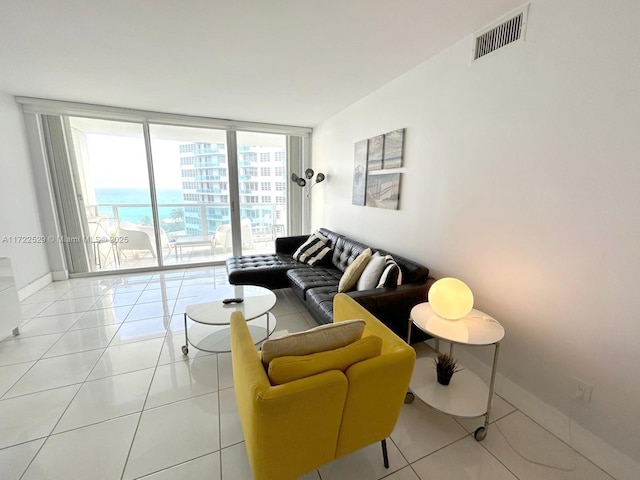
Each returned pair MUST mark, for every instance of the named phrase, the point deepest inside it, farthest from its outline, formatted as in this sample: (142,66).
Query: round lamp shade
(450,298)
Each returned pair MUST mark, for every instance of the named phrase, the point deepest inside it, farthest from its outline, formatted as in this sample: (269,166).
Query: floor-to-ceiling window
(108,161)
(192,166)
(150,190)
(262,178)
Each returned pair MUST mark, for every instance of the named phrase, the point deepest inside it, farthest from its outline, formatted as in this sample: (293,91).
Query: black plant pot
(444,378)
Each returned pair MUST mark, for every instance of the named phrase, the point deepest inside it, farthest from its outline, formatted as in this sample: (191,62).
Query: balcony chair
(140,238)
(294,427)
(103,247)
(223,238)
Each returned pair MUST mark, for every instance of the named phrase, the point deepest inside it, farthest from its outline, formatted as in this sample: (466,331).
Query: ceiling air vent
(500,33)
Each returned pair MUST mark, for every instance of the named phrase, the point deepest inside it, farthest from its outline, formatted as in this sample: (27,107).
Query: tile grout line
(219,416)
(135,432)
(491,453)
(52,429)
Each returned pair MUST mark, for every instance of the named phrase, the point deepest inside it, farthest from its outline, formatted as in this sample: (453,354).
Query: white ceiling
(294,62)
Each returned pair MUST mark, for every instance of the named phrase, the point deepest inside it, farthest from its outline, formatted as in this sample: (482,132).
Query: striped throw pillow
(391,275)
(313,250)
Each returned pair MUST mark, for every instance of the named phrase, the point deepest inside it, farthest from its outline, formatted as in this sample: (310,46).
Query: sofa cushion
(287,369)
(372,272)
(345,252)
(302,279)
(319,339)
(269,271)
(313,250)
(320,302)
(352,273)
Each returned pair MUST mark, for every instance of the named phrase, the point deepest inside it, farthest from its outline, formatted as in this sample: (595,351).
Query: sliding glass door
(192,183)
(154,195)
(262,181)
(111,179)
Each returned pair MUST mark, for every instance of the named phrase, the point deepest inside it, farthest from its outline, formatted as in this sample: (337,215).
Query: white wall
(18,208)
(522,177)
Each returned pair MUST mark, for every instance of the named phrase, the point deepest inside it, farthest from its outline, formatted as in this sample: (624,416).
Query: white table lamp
(450,298)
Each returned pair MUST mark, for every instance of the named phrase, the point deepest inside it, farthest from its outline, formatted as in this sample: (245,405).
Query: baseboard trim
(60,275)
(34,286)
(609,459)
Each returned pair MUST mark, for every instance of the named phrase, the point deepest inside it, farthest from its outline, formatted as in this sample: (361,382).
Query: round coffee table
(210,329)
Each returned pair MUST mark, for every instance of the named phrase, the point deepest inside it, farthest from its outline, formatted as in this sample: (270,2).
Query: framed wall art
(383,191)
(377,167)
(374,157)
(359,191)
(392,152)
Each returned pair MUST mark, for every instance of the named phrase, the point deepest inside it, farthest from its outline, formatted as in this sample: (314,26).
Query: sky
(120,162)
(117,158)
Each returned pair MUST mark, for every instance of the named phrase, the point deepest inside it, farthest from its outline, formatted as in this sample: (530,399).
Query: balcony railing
(173,215)
(207,177)
(207,150)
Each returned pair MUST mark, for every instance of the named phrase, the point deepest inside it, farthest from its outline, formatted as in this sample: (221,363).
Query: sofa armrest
(289,245)
(393,306)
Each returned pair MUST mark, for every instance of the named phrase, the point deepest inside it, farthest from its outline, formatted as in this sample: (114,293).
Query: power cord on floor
(535,462)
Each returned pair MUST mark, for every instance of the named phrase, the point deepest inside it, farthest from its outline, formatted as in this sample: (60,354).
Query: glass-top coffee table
(209,331)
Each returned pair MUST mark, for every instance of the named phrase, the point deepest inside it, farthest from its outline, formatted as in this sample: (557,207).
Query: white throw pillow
(372,272)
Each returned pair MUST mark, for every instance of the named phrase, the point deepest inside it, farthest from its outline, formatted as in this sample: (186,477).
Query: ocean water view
(136,196)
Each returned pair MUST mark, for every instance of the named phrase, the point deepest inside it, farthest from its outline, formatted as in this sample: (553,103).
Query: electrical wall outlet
(582,391)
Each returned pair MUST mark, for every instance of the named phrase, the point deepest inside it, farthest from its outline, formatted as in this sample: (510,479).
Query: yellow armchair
(295,427)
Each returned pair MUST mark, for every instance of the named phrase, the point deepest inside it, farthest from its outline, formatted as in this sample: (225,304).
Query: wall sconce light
(306,181)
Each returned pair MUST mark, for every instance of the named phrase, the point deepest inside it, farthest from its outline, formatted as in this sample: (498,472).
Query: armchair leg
(385,456)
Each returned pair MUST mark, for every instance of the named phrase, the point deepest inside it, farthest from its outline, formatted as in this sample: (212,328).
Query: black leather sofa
(316,286)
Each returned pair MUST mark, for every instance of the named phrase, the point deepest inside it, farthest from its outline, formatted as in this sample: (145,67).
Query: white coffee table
(209,331)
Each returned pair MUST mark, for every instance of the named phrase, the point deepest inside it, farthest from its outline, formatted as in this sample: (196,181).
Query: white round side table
(211,317)
(467,395)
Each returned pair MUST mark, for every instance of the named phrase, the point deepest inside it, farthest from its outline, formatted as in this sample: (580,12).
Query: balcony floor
(183,255)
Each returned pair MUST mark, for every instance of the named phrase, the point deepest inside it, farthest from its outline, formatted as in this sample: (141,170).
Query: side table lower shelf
(467,396)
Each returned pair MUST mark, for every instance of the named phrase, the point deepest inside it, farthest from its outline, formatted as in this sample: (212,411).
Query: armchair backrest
(288,429)
(377,386)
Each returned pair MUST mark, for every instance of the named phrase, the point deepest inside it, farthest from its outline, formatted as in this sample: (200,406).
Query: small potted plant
(446,366)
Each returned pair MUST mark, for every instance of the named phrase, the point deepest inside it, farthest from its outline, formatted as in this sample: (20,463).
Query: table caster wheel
(409,397)
(185,350)
(480,434)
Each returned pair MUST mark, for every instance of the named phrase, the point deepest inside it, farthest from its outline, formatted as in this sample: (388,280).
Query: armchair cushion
(319,339)
(290,368)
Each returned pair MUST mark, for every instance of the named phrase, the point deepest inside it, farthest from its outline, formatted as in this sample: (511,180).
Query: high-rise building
(262,186)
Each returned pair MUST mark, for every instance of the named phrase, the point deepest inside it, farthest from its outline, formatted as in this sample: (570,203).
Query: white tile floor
(96,387)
